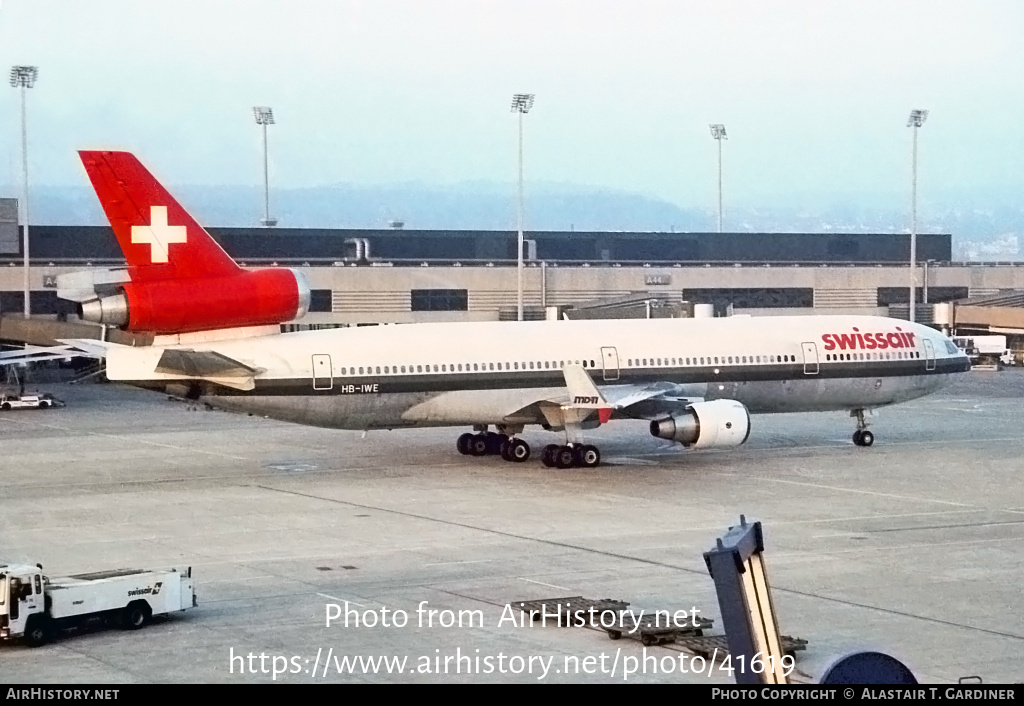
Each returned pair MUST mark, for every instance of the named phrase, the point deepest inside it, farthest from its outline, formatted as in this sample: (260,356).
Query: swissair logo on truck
(154,590)
(868,341)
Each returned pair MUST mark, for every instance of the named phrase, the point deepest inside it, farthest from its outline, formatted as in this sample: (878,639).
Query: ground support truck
(34,607)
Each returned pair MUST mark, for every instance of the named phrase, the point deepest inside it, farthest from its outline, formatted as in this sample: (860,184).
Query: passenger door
(323,378)
(610,361)
(810,358)
(929,355)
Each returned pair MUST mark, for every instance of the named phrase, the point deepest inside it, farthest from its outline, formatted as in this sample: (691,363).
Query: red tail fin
(159,238)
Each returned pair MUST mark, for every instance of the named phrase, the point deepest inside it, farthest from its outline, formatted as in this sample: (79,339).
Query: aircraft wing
(579,402)
(582,398)
(30,354)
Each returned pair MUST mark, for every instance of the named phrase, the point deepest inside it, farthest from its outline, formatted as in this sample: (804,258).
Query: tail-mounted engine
(249,298)
(703,425)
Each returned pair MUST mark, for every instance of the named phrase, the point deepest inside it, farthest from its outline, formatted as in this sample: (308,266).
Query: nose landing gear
(862,437)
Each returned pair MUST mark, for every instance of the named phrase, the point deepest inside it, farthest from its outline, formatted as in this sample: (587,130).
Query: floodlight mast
(916,120)
(265,116)
(521,103)
(718,132)
(24,77)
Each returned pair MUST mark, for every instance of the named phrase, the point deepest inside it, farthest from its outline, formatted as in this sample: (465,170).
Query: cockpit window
(950,348)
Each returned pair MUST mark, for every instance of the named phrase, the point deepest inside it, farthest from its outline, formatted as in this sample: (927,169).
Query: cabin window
(378,370)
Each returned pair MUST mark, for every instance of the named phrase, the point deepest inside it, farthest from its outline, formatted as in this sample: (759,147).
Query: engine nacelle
(706,425)
(251,298)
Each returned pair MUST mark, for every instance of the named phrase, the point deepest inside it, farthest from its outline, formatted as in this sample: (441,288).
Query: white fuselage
(477,373)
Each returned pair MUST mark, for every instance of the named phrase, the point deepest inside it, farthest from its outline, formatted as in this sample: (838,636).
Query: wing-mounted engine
(249,298)
(703,425)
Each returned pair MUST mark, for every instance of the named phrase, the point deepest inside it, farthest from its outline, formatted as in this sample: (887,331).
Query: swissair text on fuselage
(868,341)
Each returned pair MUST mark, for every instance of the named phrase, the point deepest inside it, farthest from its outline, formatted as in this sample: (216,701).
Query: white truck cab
(33,606)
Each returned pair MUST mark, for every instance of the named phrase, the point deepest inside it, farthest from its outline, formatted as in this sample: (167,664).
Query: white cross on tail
(158,234)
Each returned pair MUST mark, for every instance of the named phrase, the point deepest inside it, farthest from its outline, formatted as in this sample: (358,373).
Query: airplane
(217,340)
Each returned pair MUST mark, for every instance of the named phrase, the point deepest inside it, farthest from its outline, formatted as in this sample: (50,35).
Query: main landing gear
(570,455)
(862,437)
(489,443)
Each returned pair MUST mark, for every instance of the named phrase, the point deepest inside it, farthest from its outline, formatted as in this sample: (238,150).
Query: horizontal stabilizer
(202,364)
(91,347)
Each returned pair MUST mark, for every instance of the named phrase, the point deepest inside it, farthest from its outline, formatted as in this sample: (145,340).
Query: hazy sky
(814,93)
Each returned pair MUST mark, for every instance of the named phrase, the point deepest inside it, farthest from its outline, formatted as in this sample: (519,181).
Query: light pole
(718,132)
(924,289)
(24,77)
(916,120)
(265,116)
(521,103)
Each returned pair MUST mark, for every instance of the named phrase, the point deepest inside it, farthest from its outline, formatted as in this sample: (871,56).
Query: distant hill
(475,206)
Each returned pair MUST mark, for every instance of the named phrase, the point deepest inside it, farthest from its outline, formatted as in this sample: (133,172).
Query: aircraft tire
(478,445)
(866,438)
(589,456)
(547,456)
(463,444)
(518,450)
(565,457)
(494,442)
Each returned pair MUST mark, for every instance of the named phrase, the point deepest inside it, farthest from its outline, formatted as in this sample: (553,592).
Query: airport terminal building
(397,276)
